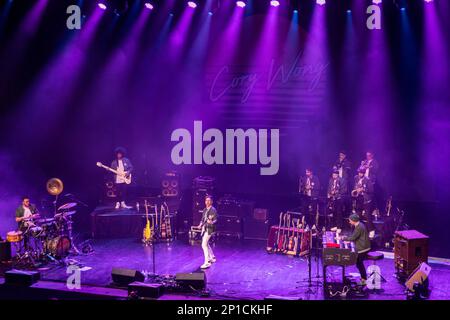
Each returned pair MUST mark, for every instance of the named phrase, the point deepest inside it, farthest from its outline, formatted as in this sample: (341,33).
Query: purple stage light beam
(179,34)
(46,100)
(26,30)
(435,77)
(375,101)
(223,54)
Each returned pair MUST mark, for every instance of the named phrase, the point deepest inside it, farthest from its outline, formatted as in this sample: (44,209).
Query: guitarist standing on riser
(122,165)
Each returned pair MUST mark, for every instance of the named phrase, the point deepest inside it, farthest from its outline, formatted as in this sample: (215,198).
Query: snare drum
(14,236)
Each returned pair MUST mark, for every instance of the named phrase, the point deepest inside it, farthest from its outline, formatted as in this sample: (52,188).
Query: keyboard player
(360,237)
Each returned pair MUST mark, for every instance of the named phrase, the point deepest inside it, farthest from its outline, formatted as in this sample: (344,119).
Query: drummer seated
(25,212)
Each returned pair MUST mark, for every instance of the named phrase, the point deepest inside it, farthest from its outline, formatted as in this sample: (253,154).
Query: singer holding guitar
(208,227)
(124,168)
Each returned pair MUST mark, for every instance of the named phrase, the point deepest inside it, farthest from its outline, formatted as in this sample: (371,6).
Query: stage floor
(242,271)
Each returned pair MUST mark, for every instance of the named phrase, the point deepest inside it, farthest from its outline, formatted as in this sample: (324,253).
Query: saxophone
(358,190)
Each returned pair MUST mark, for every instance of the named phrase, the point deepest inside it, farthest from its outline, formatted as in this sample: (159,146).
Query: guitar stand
(153,243)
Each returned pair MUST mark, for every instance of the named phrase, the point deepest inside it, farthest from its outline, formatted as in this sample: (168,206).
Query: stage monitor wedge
(124,277)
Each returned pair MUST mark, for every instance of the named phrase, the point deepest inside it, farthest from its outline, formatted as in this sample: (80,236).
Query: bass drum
(58,247)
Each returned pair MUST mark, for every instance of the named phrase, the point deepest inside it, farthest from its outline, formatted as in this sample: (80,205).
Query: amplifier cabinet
(256,229)
(410,250)
(230,226)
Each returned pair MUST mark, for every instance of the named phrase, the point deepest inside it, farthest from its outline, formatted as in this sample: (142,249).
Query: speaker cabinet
(145,290)
(5,251)
(124,277)
(170,185)
(195,280)
(410,250)
(21,277)
(419,275)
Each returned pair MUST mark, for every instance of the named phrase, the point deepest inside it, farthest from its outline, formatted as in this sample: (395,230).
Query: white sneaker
(117,205)
(212,260)
(372,234)
(206,265)
(123,205)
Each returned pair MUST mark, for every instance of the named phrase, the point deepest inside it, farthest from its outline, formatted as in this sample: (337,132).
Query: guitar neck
(110,169)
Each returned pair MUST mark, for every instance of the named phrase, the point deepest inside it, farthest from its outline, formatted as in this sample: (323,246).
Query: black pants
(367,207)
(336,208)
(360,265)
(121,189)
(308,209)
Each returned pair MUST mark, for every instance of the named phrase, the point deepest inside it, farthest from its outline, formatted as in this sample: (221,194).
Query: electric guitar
(275,245)
(291,237)
(163,224)
(281,233)
(147,233)
(297,238)
(168,223)
(286,233)
(125,175)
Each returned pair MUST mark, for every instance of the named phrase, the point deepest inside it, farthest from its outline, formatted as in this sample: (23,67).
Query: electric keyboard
(337,252)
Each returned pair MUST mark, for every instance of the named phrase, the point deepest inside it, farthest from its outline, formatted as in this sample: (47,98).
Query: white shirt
(368,168)
(26,212)
(120,169)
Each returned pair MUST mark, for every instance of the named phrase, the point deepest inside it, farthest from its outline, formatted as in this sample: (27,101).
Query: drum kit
(46,239)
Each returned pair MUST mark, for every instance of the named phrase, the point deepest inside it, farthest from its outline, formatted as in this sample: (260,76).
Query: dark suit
(336,193)
(211,214)
(346,167)
(364,202)
(372,167)
(209,229)
(309,199)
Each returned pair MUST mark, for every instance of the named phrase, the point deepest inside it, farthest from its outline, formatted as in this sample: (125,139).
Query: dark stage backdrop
(326,82)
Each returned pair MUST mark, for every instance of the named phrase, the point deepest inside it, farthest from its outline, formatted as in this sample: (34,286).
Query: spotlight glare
(192,4)
(274,3)
(428,1)
(377,1)
(240,4)
(321,2)
(102,6)
(149,6)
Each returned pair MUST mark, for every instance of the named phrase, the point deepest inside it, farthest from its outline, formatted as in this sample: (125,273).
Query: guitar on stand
(281,234)
(168,222)
(286,233)
(162,224)
(147,233)
(275,245)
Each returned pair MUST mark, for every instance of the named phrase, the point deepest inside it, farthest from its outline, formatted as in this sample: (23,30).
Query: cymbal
(47,220)
(67,206)
(65,214)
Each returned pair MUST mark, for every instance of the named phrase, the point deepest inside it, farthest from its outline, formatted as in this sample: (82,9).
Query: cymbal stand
(73,247)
